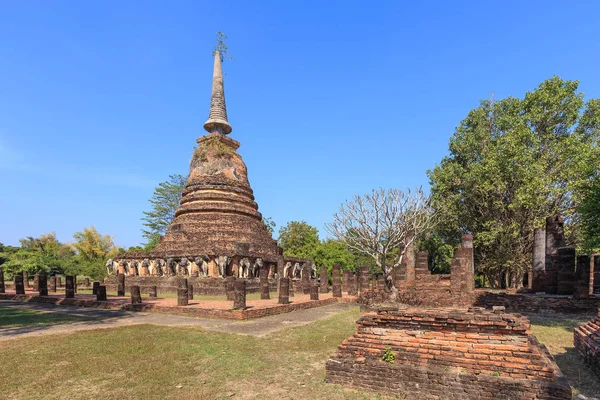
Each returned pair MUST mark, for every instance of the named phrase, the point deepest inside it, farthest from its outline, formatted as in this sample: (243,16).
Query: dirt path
(116,318)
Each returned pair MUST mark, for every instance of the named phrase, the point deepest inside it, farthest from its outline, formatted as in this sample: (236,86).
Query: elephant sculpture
(146,266)
(123,264)
(313,271)
(110,267)
(171,267)
(244,268)
(133,267)
(297,271)
(161,267)
(286,269)
(202,263)
(256,267)
(184,265)
(222,262)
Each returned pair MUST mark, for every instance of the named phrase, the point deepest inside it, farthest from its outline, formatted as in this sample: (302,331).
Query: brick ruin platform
(587,342)
(448,354)
(195,308)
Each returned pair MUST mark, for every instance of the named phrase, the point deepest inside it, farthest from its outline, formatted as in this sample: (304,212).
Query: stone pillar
(43,284)
(353,284)
(75,283)
(229,287)
(36,282)
(263,274)
(457,271)
(120,285)
(239,294)
(554,240)
(101,293)
(190,291)
(314,292)
(346,281)
(2,287)
(582,282)
(323,280)
(95,287)
(422,266)
(19,284)
(363,279)
(537,278)
(53,284)
(136,296)
(565,260)
(86,282)
(69,287)
(469,269)
(335,281)
(284,290)
(25,279)
(409,262)
(58,281)
(182,293)
(152,291)
(306,278)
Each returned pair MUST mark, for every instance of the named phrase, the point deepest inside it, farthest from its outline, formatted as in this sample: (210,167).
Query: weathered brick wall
(448,354)
(202,286)
(587,343)
(544,304)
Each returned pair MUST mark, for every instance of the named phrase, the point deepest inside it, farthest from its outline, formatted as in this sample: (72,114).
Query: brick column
(69,287)
(43,284)
(239,294)
(565,259)
(353,284)
(121,285)
(284,290)
(86,282)
(263,274)
(409,266)
(152,291)
(53,284)
(58,282)
(95,287)
(182,292)
(345,281)
(582,282)
(323,280)
(19,284)
(229,287)
(537,278)
(190,291)
(136,296)
(335,281)
(314,292)
(2,287)
(469,271)
(101,293)
(25,279)
(36,282)
(554,240)
(422,266)
(381,282)
(363,279)
(306,278)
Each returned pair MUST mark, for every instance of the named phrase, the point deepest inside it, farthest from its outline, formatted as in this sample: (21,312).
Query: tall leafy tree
(331,252)
(299,239)
(34,255)
(589,210)
(513,162)
(93,250)
(164,201)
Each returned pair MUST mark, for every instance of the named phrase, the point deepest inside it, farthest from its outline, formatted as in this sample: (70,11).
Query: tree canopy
(298,239)
(513,162)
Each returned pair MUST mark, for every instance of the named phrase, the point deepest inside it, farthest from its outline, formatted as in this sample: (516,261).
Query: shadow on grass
(566,322)
(20,319)
(581,378)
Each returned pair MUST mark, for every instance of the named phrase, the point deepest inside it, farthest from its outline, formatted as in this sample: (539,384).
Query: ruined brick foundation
(447,354)
(587,343)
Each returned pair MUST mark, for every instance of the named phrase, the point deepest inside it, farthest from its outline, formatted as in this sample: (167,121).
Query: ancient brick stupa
(217,222)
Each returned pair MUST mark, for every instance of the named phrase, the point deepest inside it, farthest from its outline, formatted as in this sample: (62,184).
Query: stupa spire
(217,117)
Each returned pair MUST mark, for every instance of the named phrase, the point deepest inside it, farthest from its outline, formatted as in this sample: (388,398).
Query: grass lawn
(11,317)
(556,332)
(153,362)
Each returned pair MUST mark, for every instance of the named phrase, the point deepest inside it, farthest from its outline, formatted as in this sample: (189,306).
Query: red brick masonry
(204,309)
(587,343)
(448,354)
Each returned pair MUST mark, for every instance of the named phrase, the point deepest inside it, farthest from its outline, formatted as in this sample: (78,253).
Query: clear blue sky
(102,100)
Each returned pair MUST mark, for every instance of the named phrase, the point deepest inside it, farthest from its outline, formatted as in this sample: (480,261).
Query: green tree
(589,210)
(512,163)
(331,252)
(93,250)
(164,201)
(299,239)
(34,255)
